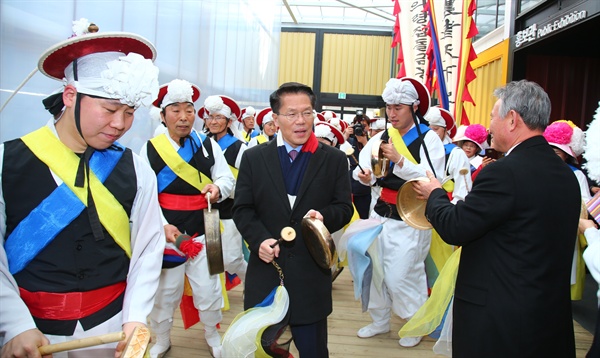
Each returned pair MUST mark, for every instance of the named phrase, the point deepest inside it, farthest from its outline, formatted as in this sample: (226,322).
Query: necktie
(293,154)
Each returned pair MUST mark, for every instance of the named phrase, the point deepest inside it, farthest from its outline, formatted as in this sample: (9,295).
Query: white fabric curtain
(226,47)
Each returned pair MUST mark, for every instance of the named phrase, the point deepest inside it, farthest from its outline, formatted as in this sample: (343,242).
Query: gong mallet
(135,348)
(287,234)
(464,172)
(82,343)
(350,153)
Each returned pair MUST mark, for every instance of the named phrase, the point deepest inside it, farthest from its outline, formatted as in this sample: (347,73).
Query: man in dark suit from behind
(512,296)
(277,188)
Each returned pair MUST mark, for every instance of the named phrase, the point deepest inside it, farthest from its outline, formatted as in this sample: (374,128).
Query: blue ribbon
(449,147)
(166,176)
(53,214)
(226,141)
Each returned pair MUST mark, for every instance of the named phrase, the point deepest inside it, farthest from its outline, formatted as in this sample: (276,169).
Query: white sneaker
(159,350)
(215,352)
(212,336)
(408,342)
(372,330)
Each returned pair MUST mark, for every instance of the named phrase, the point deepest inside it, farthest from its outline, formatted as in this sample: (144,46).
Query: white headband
(250,111)
(324,131)
(215,105)
(400,92)
(178,91)
(434,117)
(132,79)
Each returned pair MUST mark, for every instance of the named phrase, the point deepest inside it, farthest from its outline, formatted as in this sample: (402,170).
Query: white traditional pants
(402,251)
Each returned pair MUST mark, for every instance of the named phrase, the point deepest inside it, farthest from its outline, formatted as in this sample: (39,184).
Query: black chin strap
(83,169)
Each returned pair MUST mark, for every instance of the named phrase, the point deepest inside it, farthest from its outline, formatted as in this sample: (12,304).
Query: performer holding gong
(80,229)
(188,166)
(278,184)
(406,150)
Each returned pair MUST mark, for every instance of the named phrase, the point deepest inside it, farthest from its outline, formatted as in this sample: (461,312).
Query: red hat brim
(202,112)
(332,114)
(235,108)
(338,135)
(260,115)
(54,60)
(422,92)
(162,92)
(450,124)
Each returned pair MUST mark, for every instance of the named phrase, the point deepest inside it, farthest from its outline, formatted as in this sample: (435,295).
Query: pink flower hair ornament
(477,133)
(558,133)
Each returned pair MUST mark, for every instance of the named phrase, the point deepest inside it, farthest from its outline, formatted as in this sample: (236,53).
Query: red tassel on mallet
(187,245)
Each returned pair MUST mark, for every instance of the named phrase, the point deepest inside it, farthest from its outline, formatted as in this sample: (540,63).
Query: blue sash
(449,147)
(53,214)
(410,137)
(412,134)
(166,176)
(226,141)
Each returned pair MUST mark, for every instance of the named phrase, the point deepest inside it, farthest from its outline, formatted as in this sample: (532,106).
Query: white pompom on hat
(247,112)
(176,91)
(116,65)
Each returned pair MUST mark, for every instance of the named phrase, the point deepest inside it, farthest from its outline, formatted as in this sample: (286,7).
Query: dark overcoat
(262,209)
(517,228)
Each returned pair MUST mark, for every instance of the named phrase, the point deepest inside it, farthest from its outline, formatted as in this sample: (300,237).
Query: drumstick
(350,153)
(287,234)
(82,343)
(464,172)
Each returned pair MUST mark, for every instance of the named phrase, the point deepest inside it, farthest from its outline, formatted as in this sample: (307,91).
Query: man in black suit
(516,227)
(274,191)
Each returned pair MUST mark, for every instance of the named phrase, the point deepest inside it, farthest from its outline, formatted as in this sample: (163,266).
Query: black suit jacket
(261,209)
(517,228)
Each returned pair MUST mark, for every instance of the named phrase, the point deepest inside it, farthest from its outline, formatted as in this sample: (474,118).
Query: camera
(359,129)
(359,112)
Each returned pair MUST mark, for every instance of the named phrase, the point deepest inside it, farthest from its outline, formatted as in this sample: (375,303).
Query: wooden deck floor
(345,320)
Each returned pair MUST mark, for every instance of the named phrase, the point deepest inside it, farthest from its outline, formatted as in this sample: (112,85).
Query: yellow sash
(399,144)
(234,171)
(261,139)
(64,163)
(174,161)
(403,150)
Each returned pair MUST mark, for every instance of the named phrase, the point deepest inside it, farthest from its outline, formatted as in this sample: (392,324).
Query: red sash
(389,196)
(70,305)
(182,202)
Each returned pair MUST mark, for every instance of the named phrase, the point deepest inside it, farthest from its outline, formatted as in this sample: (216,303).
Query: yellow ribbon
(64,163)
(180,167)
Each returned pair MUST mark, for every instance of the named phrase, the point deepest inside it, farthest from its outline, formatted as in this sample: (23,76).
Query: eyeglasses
(294,116)
(216,118)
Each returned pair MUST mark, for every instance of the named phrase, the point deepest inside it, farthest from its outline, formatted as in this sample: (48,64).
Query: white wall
(228,47)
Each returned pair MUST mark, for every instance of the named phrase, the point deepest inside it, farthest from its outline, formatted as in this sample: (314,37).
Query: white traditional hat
(264,116)
(559,135)
(443,118)
(378,124)
(407,91)
(326,130)
(475,133)
(222,105)
(247,112)
(176,91)
(116,65)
